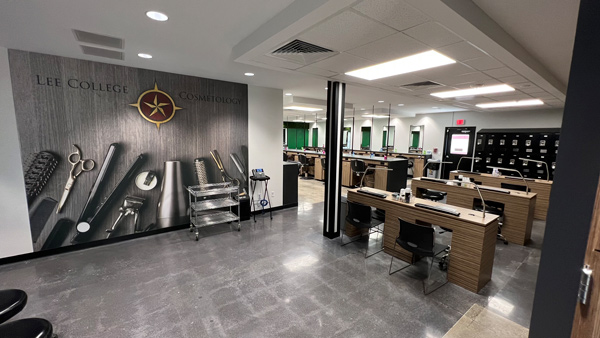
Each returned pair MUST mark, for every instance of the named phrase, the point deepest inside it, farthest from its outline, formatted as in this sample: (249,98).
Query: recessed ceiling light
(435,107)
(362,108)
(145,56)
(288,94)
(302,108)
(400,104)
(534,102)
(326,88)
(381,101)
(409,64)
(158,16)
(249,74)
(475,91)
(297,120)
(374,116)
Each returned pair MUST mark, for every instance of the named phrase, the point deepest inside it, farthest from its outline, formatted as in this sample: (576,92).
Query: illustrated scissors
(78,165)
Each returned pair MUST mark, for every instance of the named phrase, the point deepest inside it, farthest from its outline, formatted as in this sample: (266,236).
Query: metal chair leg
(378,251)
(390,270)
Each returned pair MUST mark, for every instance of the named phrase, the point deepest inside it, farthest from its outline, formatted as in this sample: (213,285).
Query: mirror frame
(421,136)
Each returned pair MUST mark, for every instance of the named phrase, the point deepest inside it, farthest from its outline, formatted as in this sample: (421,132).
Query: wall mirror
(365,138)
(346,137)
(416,138)
(388,136)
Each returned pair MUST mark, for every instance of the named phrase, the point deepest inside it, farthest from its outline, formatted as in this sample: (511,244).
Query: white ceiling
(205,39)
(540,26)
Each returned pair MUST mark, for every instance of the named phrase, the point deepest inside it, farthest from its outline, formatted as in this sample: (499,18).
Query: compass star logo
(156,106)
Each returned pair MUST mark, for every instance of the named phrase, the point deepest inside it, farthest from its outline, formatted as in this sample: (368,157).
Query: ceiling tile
(512,97)
(316,71)
(433,35)
(275,62)
(475,77)
(399,80)
(345,31)
(513,79)
(393,13)
(390,48)
(543,96)
(531,89)
(342,63)
(484,63)
(500,72)
(446,71)
(461,51)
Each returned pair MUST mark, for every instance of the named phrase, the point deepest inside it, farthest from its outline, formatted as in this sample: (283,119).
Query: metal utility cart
(206,198)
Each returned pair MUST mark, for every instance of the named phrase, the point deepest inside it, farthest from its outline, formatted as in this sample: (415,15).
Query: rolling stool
(12,301)
(496,211)
(358,167)
(436,196)
(303,163)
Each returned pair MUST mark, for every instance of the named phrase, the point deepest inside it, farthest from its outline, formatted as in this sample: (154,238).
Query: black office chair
(420,241)
(285,157)
(495,210)
(12,301)
(303,166)
(360,216)
(358,167)
(433,195)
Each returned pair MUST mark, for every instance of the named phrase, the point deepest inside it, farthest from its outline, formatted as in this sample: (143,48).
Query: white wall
(265,125)
(14,219)
(435,125)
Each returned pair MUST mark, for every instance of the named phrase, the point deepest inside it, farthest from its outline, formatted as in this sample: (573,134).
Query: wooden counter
(518,206)
(540,187)
(473,237)
(392,180)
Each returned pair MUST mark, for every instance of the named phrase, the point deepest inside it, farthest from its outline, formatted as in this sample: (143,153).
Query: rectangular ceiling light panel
(302,108)
(534,102)
(409,64)
(475,91)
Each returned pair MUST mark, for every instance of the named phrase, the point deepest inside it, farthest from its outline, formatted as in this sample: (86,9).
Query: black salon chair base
(27,328)
(12,301)
(420,241)
(304,164)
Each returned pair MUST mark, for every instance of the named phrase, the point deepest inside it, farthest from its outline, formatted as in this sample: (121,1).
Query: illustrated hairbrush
(38,169)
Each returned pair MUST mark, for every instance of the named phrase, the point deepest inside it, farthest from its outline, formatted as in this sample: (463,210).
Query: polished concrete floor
(278,278)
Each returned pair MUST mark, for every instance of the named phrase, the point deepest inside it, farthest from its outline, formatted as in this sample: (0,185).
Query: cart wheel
(197,237)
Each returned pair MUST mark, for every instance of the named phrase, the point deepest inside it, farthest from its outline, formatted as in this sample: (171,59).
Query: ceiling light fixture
(158,16)
(435,107)
(362,108)
(297,120)
(400,104)
(375,116)
(249,74)
(145,56)
(475,91)
(302,108)
(381,101)
(534,102)
(409,64)
(326,88)
(288,94)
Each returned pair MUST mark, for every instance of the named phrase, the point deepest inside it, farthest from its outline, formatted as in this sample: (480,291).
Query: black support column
(333,171)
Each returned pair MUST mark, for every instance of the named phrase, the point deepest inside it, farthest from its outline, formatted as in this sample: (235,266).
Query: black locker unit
(504,147)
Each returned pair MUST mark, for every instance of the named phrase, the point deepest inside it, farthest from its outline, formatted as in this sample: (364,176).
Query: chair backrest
(302,159)
(514,187)
(324,162)
(416,238)
(358,213)
(285,157)
(358,166)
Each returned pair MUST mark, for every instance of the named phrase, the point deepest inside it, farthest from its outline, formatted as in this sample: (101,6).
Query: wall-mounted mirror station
(416,138)
(388,136)
(365,138)
(347,137)
(315,137)
(285,136)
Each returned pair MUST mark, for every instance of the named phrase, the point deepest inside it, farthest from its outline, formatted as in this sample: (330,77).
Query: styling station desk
(473,237)
(419,160)
(518,206)
(390,180)
(540,187)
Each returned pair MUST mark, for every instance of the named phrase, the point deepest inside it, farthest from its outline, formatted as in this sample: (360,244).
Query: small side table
(254,180)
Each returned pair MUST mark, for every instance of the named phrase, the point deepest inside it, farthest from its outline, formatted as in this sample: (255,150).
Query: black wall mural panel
(60,102)
(504,147)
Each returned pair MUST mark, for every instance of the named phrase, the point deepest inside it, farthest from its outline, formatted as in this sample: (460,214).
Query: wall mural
(95,168)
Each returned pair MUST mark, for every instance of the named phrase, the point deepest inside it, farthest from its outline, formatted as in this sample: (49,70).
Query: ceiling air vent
(302,52)
(421,85)
(97,39)
(101,52)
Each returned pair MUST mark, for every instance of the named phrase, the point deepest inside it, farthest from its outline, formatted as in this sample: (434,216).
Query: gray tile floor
(281,278)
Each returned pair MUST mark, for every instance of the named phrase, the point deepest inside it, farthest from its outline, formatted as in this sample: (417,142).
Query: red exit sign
(460,122)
